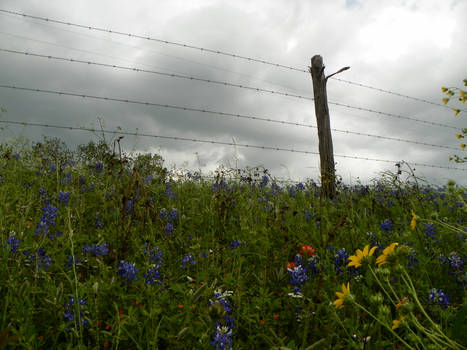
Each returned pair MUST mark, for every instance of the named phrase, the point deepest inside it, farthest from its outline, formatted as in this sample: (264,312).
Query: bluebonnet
(99,167)
(153,276)
(386,225)
(16,156)
(169,229)
(70,310)
(412,258)
(438,296)
(340,260)
(42,193)
(99,224)
(188,259)
(264,181)
(49,213)
(13,242)
(292,191)
(100,250)
(275,188)
(300,186)
(235,244)
(41,260)
(163,214)
(52,168)
(298,275)
(63,198)
(222,337)
(173,215)
(455,261)
(430,230)
(128,271)
(168,192)
(155,255)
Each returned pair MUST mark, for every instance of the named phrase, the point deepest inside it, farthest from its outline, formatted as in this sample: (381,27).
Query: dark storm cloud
(289,32)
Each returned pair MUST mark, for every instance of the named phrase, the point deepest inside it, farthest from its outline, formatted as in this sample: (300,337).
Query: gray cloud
(409,57)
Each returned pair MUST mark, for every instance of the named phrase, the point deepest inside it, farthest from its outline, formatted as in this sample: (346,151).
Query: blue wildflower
(100,250)
(69,314)
(13,242)
(430,230)
(63,198)
(128,271)
(169,229)
(99,167)
(173,215)
(49,213)
(386,225)
(235,244)
(455,261)
(438,296)
(153,276)
(189,259)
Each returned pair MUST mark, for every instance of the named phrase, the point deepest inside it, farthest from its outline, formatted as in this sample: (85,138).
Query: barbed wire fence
(212,112)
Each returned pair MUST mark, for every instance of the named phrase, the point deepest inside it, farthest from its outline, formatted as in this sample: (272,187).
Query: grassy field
(102,250)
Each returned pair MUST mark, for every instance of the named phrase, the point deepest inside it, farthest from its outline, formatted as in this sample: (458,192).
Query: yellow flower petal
(372,250)
(462,145)
(365,250)
(445,100)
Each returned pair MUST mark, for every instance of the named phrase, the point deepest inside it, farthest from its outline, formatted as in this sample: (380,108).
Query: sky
(407,46)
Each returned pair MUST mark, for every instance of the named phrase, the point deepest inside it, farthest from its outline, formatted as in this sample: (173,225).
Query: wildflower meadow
(100,249)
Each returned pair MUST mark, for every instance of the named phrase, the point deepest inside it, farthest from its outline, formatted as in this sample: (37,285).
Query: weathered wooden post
(326,155)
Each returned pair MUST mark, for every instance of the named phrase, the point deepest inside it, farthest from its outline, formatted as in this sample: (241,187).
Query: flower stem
(384,325)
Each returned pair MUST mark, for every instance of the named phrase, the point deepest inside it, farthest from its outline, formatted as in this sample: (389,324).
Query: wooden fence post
(326,155)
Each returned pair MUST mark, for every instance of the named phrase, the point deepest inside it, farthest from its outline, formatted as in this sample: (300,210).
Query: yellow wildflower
(413,223)
(456,111)
(459,136)
(339,303)
(462,145)
(443,89)
(397,323)
(356,260)
(445,100)
(382,259)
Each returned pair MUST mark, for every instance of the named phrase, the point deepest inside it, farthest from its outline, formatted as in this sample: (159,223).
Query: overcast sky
(410,47)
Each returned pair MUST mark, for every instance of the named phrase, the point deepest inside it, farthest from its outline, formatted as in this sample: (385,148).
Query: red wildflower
(290,265)
(307,249)
(261,322)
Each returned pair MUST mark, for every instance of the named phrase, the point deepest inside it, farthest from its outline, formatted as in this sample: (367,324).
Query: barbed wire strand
(223,53)
(219,52)
(212,81)
(224,114)
(116,132)
(153,52)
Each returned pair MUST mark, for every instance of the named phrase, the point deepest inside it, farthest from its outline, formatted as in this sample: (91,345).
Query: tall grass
(102,250)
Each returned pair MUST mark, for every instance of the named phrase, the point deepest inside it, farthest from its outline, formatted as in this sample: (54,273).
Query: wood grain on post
(326,154)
